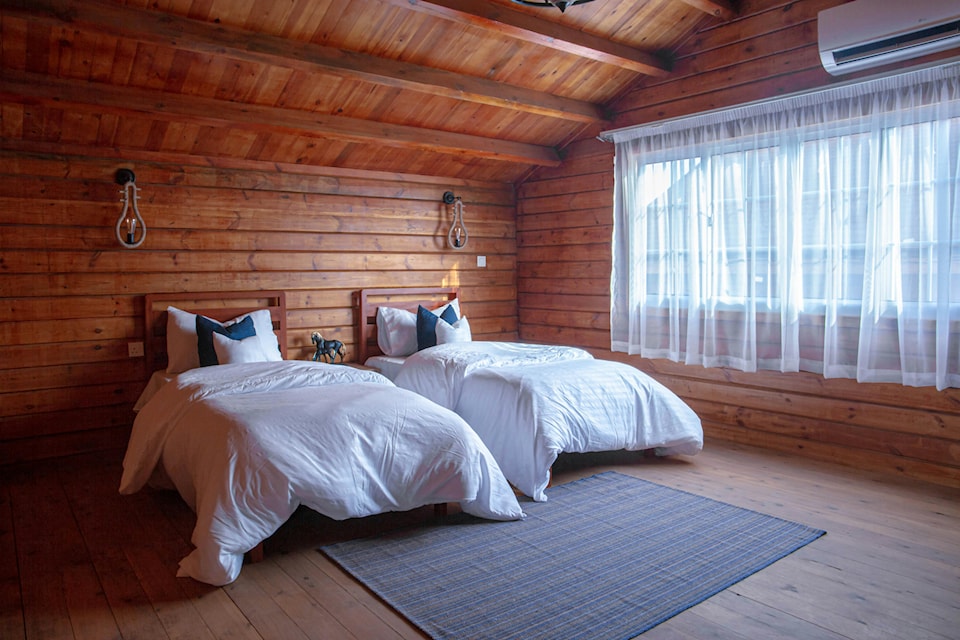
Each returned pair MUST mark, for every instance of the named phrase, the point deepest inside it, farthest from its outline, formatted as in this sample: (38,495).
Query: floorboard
(77,560)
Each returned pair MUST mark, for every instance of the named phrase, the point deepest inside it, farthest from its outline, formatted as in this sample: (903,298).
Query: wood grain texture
(262,50)
(367,303)
(79,560)
(564,226)
(225,111)
(71,299)
(479,90)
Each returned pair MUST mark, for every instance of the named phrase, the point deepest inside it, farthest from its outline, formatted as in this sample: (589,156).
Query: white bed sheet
(529,403)
(387,365)
(246,444)
(439,372)
(157,381)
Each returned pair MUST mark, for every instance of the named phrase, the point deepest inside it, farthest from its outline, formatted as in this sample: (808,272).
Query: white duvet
(246,444)
(529,403)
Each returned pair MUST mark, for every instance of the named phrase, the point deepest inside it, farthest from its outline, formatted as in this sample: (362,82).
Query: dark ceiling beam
(722,9)
(213,39)
(36,89)
(523,26)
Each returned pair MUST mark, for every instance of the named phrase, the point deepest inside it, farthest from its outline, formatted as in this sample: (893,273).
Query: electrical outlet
(481,261)
(135,349)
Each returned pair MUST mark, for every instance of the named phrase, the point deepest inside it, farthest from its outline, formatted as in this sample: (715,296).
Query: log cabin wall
(564,230)
(72,298)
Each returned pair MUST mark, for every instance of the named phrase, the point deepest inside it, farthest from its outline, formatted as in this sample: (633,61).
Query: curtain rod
(607,136)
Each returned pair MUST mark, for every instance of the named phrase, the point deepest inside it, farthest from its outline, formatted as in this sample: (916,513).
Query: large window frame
(716,257)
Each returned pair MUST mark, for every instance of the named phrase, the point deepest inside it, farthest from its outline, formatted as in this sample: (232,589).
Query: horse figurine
(326,349)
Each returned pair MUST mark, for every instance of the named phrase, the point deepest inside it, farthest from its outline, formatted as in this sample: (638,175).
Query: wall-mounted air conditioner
(868,33)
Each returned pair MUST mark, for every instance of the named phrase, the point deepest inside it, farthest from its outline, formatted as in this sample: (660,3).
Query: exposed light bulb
(457,236)
(130,217)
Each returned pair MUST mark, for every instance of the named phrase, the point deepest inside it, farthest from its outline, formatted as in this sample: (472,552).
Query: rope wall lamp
(130,221)
(457,236)
(559,4)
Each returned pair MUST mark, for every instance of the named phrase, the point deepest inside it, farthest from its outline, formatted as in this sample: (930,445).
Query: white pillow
(396,331)
(263,325)
(181,341)
(455,303)
(182,352)
(397,328)
(459,331)
(230,351)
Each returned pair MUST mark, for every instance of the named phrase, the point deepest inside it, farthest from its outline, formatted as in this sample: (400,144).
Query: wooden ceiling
(468,89)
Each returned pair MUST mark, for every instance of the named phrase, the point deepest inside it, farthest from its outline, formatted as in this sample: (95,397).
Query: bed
(249,438)
(528,402)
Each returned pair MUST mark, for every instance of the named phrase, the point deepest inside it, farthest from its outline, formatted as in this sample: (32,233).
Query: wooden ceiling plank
(303,21)
(722,9)
(30,88)
(101,60)
(493,17)
(269,15)
(215,40)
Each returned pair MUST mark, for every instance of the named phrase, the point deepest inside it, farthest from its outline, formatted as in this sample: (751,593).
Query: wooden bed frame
(216,305)
(220,306)
(223,306)
(366,302)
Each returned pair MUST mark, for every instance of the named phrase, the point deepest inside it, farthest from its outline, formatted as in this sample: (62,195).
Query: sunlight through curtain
(814,233)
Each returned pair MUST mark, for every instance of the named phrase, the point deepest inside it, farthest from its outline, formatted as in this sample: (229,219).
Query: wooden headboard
(219,306)
(366,301)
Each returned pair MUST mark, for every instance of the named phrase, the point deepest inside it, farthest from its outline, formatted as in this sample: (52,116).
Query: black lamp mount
(124,176)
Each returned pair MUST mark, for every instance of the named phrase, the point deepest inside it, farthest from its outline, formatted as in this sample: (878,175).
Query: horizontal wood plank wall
(564,228)
(71,299)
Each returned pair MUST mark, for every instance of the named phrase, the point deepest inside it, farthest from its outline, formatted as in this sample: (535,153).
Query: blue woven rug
(606,557)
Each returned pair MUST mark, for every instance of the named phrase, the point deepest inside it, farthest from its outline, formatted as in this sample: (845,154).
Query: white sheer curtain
(817,233)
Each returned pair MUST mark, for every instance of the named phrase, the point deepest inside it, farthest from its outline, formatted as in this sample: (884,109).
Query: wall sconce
(457,236)
(130,221)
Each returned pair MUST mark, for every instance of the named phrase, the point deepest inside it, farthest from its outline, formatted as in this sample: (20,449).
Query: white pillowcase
(263,325)
(397,328)
(459,331)
(181,341)
(455,303)
(396,331)
(230,351)
(182,338)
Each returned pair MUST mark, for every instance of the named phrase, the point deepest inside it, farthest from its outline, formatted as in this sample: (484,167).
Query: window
(817,233)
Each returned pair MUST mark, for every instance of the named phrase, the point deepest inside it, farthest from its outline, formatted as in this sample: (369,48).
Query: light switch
(481,261)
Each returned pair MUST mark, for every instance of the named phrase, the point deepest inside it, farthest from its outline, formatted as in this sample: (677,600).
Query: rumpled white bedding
(439,372)
(389,366)
(529,403)
(246,444)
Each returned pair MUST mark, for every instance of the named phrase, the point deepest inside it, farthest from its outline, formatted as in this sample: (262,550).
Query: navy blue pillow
(207,327)
(427,325)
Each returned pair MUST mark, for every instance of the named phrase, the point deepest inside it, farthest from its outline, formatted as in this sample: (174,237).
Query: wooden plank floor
(77,560)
